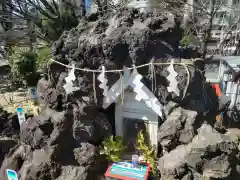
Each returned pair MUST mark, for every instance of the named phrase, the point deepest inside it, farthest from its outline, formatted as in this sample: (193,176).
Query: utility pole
(30,26)
(5,25)
(220,45)
(30,33)
(208,30)
(82,8)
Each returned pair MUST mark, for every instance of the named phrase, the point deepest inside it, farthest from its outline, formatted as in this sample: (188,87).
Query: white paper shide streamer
(142,92)
(69,88)
(104,82)
(173,85)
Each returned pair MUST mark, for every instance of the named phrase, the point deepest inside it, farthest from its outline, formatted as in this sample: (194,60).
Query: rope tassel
(94,89)
(172,76)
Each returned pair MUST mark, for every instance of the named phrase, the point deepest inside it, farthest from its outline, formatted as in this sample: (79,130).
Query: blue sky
(88,4)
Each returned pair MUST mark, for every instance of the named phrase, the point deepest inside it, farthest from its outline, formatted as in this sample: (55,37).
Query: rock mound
(9,125)
(58,142)
(209,154)
(62,142)
(123,39)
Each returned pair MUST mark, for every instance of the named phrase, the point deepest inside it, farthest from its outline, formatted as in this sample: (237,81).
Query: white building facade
(224,25)
(142,5)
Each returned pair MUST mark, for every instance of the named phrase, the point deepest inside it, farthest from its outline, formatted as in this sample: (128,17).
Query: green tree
(113,148)
(147,151)
(188,38)
(49,17)
(26,63)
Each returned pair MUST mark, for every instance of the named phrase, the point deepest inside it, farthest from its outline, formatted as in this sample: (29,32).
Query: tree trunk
(207,35)
(6,25)
(82,8)
(208,30)
(236,52)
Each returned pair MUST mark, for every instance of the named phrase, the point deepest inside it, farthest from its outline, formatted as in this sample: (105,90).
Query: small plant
(188,38)
(113,148)
(43,56)
(147,151)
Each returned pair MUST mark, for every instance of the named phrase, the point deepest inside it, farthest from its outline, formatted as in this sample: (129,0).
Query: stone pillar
(188,11)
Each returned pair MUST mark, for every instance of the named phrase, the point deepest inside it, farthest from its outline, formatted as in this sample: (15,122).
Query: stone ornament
(69,87)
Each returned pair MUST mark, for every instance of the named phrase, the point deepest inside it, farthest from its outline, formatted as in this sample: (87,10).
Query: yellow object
(28,106)
(32,108)
(219,117)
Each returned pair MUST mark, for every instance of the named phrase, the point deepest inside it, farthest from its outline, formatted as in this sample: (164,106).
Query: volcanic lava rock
(63,140)
(74,173)
(93,126)
(6,144)
(123,39)
(210,153)
(36,131)
(43,88)
(38,165)
(179,127)
(218,167)
(51,147)
(14,159)
(86,154)
(9,125)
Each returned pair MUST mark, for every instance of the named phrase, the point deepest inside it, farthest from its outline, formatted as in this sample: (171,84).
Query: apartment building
(226,18)
(142,5)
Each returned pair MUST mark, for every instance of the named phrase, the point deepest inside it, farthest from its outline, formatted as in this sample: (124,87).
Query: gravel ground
(9,100)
